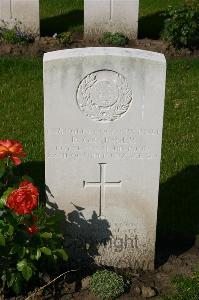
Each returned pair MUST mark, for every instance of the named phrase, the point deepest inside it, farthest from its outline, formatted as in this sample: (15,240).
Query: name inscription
(91,144)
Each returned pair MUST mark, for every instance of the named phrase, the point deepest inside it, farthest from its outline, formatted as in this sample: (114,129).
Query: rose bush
(30,244)
(24,199)
(11,149)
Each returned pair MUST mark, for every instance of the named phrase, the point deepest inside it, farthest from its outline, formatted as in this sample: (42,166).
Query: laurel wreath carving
(99,113)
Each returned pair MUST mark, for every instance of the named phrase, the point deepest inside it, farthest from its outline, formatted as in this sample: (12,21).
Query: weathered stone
(103,133)
(110,15)
(85,282)
(148,292)
(21,13)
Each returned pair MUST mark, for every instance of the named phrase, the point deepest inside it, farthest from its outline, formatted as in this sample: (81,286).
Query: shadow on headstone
(178,214)
(177,224)
(61,23)
(151,26)
(82,236)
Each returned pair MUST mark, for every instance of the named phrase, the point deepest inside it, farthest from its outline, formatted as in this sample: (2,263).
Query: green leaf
(10,230)
(21,251)
(5,195)
(62,253)
(17,283)
(46,251)
(21,265)
(46,235)
(2,240)
(2,170)
(26,177)
(38,254)
(2,203)
(35,254)
(27,272)
(2,224)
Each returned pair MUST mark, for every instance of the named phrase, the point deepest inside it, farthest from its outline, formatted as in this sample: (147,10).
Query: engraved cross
(102,184)
(111,10)
(11,14)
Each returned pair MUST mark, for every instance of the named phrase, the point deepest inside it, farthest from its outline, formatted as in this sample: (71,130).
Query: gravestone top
(113,51)
(103,135)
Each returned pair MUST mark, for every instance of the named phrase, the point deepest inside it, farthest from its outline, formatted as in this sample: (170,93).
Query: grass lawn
(67,15)
(22,118)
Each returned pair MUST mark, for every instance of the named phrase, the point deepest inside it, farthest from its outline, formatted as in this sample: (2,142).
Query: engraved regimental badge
(104,95)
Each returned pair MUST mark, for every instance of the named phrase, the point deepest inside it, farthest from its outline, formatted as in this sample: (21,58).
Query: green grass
(61,15)
(179,190)
(22,110)
(22,118)
(67,15)
(154,6)
(186,288)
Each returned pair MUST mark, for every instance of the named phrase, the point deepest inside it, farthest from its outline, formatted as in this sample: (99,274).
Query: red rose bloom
(12,149)
(24,199)
(32,229)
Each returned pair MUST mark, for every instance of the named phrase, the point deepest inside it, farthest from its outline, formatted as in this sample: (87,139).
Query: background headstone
(110,16)
(21,13)
(103,133)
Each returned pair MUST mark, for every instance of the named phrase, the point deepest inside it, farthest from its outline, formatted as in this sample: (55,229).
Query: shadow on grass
(151,26)
(178,214)
(61,23)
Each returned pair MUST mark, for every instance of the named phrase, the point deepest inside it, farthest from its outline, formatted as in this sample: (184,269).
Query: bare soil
(47,44)
(144,284)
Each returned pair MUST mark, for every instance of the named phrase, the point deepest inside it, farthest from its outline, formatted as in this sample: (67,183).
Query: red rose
(32,229)
(24,199)
(12,149)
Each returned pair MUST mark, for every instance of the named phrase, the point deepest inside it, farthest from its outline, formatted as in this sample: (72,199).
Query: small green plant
(182,25)
(15,35)
(107,284)
(186,288)
(65,38)
(114,39)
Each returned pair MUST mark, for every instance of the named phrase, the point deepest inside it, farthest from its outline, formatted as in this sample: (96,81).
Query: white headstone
(21,13)
(110,16)
(103,133)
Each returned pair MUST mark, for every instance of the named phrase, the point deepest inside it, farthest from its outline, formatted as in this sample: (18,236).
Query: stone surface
(103,133)
(85,282)
(21,13)
(148,292)
(110,15)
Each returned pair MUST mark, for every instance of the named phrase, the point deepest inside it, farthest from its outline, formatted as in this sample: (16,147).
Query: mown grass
(61,15)
(21,107)
(22,119)
(179,189)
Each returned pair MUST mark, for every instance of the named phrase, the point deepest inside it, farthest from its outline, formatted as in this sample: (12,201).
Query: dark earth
(144,284)
(46,44)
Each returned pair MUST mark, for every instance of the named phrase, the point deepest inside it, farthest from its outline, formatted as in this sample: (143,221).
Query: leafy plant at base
(187,288)
(30,243)
(15,35)
(181,27)
(114,39)
(65,38)
(107,284)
